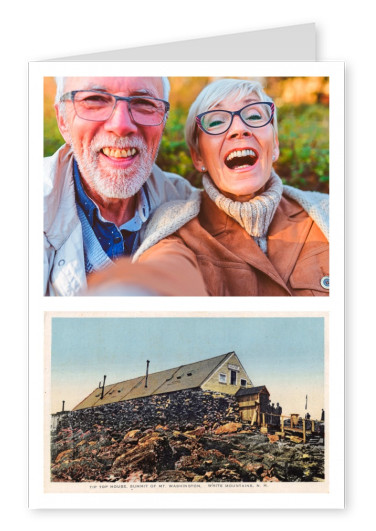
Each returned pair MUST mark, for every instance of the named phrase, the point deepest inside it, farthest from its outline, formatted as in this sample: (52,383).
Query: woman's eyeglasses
(254,115)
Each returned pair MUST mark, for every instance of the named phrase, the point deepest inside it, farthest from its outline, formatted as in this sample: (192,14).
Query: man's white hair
(213,94)
(60,85)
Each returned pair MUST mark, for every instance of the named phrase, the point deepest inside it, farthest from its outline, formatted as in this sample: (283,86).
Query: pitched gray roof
(251,390)
(188,376)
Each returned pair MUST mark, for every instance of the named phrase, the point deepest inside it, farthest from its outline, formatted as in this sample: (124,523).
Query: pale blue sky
(285,354)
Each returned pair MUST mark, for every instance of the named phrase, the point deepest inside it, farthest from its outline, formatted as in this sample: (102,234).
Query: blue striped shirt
(115,241)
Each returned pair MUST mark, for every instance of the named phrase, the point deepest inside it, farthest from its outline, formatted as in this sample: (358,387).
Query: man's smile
(117,153)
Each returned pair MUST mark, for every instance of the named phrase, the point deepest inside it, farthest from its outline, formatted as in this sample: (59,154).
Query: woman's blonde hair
(216,92)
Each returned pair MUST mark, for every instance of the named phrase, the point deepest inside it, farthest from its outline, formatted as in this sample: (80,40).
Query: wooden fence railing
(294,422)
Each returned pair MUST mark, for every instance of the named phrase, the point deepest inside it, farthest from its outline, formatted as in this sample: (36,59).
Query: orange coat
(213,255)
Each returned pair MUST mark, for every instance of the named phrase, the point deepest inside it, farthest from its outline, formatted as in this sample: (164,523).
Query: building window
(222,378)
(233,378)
(243,382)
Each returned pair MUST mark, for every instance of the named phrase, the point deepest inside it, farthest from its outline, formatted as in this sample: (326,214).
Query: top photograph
(186,186)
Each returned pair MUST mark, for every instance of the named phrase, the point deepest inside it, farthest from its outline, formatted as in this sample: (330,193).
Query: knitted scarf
(255,215)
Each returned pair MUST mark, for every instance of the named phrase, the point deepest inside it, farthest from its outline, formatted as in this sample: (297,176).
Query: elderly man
(102,185)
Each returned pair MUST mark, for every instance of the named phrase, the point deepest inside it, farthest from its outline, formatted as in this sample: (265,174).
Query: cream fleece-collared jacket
(170,217)
(64,264)
(175,245)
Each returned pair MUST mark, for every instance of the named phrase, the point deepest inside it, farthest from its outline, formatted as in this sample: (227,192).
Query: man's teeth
(241,153)
(119,153)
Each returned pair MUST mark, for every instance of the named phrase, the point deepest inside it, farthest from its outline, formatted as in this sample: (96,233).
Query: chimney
(104,380)
(62,410)
(147,373)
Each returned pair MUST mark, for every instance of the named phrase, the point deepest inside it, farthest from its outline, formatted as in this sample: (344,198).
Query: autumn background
(303,125)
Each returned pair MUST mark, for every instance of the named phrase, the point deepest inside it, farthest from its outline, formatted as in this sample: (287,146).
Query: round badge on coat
(325,282)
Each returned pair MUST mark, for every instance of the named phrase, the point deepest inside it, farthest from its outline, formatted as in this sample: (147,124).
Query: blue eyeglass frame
(71,95)
(236,113)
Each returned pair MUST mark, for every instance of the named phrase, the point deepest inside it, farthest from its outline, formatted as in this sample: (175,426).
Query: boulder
(132,435)
(198,432)
(63,455)
(230,427)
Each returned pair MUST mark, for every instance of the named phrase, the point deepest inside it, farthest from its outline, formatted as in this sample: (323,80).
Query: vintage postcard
(200,403)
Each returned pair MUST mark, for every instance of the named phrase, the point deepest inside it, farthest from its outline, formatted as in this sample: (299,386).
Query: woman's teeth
(119,153)
(241,153)
(241,158)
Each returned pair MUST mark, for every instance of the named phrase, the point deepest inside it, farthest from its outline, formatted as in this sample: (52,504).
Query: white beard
(115,183)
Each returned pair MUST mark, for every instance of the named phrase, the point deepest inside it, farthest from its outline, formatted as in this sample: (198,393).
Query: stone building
(221,374)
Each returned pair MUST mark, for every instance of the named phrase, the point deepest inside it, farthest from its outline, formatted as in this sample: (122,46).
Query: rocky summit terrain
(101,445)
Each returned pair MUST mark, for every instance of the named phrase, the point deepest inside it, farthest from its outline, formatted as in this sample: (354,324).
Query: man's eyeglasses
(253,115)
(98,106)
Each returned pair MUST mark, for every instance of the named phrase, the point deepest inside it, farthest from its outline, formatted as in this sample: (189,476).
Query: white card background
(33,32)
(332,304)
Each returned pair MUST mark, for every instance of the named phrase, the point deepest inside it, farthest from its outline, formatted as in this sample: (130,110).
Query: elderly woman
(246,234)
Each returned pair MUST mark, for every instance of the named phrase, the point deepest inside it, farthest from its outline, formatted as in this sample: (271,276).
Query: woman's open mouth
(241,158)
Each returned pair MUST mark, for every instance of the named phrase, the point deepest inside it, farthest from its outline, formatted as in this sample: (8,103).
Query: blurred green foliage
(304,146)
(173,154)
(52,137)
(303,141)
